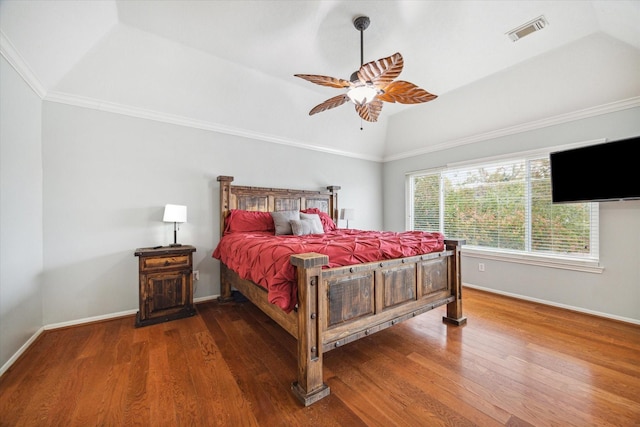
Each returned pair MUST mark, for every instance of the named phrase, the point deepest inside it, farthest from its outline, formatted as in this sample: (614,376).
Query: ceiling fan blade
(381,72)
(370,111)
(405,93)
(325,80)
(334,102)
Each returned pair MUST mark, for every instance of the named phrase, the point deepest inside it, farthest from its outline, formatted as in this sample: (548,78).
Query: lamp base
(175,245)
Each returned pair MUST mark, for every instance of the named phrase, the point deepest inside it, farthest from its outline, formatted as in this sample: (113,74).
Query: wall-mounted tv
(597,173)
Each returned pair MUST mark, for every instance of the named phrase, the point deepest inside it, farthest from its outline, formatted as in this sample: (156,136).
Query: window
(504,207)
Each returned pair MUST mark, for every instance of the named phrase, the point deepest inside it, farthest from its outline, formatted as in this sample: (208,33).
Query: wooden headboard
(274,199)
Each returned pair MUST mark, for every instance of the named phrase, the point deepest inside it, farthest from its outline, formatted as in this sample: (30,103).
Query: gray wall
(20,213)
(107,178)
(615,292)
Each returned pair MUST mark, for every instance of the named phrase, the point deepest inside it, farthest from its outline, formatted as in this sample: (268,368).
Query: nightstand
(165,284)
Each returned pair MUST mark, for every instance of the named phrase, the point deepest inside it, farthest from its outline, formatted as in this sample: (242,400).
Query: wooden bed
(340,305)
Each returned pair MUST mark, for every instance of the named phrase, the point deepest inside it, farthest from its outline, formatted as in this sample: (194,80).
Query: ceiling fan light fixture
(362,94)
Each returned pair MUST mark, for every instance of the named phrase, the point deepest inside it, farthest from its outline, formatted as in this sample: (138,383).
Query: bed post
(309,387)
(225,196)
(454,309)
(333,202)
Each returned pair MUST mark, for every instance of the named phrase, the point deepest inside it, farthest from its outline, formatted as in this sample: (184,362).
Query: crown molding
(112,107)
(10,53)
(538,124)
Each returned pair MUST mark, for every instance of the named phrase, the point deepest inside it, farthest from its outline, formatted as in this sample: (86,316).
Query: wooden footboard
(342,304)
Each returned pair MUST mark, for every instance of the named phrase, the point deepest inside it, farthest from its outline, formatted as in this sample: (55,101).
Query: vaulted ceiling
(228,66)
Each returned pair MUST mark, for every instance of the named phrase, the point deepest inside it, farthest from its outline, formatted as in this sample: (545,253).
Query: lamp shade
(175,213)
(348,214)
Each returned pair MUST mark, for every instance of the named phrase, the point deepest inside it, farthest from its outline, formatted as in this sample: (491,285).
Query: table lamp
(175,214)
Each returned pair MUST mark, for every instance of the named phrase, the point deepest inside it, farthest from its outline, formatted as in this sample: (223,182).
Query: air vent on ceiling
(530,27)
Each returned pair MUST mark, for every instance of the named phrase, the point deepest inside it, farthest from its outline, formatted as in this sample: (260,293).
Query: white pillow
(304,226)
(317,227)
(281,221)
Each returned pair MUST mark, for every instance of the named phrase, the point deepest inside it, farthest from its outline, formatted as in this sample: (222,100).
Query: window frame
(589,264)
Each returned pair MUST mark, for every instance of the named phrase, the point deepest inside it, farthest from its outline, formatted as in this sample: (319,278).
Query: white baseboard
(90,319)
(111,315)
(21,350)
(554,304)
(205,299)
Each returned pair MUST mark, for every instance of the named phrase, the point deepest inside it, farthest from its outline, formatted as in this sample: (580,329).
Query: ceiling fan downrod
(361,23)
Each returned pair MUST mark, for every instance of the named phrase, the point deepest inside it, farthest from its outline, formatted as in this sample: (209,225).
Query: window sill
(585,265)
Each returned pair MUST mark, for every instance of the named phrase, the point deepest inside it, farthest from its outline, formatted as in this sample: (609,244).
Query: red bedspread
(263,257)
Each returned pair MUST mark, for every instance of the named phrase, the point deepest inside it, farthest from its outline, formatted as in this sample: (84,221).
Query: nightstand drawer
(162,262)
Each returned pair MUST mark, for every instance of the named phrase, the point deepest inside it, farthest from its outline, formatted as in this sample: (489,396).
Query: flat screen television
(597,173)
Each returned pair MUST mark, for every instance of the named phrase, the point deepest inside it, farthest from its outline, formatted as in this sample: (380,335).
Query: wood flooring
(515,363)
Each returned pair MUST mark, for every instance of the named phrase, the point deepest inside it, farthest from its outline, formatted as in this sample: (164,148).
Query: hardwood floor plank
(566,357)
(70,391)
(242,367)
(136,410)
(218,398)
(159,390)
(114,400)
(227,405)
(559,388)
(406,388)
(574,342)
(180,379)
(376,412)
(515,363)
(88,408)
(449,394)
(33,369)
(523,384)
(530,378)
(40,405)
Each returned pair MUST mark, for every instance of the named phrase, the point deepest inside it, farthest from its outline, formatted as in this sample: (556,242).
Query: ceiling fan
(372,84)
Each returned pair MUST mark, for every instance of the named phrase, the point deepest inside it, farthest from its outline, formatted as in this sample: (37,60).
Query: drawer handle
(166,263)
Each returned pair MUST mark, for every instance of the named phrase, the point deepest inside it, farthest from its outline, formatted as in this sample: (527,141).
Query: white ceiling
(228,65)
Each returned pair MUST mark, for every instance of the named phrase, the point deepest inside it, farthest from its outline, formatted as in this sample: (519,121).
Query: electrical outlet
(196,275)
(481,266)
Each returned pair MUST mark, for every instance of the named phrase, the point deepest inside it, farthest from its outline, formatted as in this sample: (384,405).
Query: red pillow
(244,221)
(327,221)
